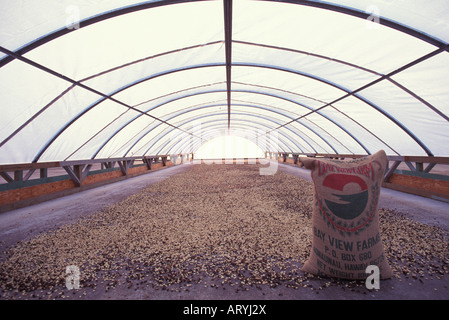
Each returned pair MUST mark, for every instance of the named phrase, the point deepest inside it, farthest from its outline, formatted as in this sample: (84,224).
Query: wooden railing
(29,183)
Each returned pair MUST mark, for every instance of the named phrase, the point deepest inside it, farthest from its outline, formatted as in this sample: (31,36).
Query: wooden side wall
(426,187)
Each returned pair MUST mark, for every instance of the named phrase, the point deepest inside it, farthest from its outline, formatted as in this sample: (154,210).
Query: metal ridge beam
(227,6)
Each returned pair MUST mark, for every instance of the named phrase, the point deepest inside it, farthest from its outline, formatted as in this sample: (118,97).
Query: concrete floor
(25,223)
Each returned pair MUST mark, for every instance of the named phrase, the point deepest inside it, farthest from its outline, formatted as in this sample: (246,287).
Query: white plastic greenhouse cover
(98,79)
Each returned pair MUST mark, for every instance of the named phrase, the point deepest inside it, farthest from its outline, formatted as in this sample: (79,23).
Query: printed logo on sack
(346,200)
(347,195)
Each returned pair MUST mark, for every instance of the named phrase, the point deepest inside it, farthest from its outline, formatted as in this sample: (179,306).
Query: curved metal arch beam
(319,113)
(90,21)
(273,110)
(339,111)
(364,15)
(248,104)
(125,10)
(224,126)
(341,127)
(253,106)
(251,115)
(306,53)
(383,112)
(283,114)
(179,70)
(213,127)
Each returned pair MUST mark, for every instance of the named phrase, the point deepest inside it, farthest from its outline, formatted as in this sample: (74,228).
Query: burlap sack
(345,221)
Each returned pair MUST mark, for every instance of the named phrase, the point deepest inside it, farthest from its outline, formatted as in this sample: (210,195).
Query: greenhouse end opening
(229,147)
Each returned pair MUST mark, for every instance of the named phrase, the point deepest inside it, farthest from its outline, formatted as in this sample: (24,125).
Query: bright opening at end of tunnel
(229,147)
